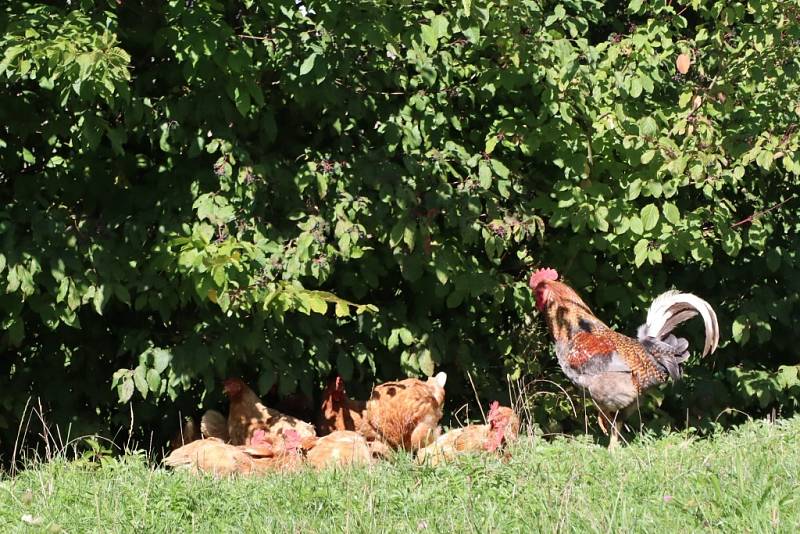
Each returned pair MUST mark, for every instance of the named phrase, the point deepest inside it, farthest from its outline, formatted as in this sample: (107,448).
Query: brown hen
(502,427)
(247,414)
(266,453)
(339,412)
(406,413)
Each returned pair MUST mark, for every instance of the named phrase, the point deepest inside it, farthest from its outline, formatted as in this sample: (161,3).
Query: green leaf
(140,380)
(491,144)
(100,298)
(161,359)
(647,157)
(647,127)
(342,309)
(640,251)
(649,215)
(671,213)
(484,175)
(16,331)
(636,88)
(634,189)
(636,225)
(397,233)
(731,242)
(654,256)
(774,259)
(429,35)
(500,169)
(406,336)
(125,390)
(425,362)
(344,365)
(308,64)
(241,97)
(439,23)
(741,329)
(153,380)
(408,237)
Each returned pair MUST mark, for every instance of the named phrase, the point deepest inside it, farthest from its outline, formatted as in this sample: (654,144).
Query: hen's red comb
(291,439)
(259,437)
(541,275)
(494,408)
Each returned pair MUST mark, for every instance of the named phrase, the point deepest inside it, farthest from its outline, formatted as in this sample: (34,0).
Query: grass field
(745,480)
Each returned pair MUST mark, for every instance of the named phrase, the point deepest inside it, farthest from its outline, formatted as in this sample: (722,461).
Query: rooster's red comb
(541,275)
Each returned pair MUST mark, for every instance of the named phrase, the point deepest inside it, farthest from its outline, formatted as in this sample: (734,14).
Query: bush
(256,187)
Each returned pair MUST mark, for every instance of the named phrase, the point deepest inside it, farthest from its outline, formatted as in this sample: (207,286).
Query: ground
(744,480)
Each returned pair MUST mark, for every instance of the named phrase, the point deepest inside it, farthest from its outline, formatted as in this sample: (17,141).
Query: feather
(214,425)
(672,308)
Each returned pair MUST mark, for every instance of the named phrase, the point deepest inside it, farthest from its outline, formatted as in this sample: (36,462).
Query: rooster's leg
(616,430)
(601,420)
(611,425)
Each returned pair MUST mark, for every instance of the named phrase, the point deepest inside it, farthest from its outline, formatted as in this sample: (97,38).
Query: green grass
(746,480)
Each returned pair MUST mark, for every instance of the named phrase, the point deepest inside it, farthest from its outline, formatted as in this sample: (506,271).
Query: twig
(469,375)
(758,214)
(255,37)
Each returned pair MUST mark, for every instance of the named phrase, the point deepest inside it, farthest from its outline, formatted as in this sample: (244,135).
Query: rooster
(502,427)
(339,412)
(247,414)
(405,413)
(615,369)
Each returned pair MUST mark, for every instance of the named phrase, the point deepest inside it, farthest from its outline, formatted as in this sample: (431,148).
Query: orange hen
(266,453)
(247,414)
(339,412)
(406,413)
(342,447)
(502,427)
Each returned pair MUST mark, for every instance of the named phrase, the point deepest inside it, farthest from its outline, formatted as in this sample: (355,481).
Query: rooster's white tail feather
(672,308)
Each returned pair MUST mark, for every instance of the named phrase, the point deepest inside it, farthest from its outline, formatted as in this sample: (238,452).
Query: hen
(615,369)
(341,447)
(187,434)
(247,414)
(406,413)
(214,425)
(502,427)
(265,453)
(339,412)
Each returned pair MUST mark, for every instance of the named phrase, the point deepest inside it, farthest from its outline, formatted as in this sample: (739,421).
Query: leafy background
(207,187)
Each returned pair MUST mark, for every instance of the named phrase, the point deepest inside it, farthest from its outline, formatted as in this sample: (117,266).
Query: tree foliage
(206,187)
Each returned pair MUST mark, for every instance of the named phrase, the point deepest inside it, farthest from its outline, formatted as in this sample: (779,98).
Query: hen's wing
(470,438)
(211,456)
(406,413)
(342,447)
(278,422)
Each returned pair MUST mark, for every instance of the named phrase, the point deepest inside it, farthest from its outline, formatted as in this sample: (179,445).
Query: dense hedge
(213,187)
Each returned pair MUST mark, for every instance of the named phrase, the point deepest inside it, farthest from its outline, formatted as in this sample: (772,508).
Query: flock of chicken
(612,368)
(403,414)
